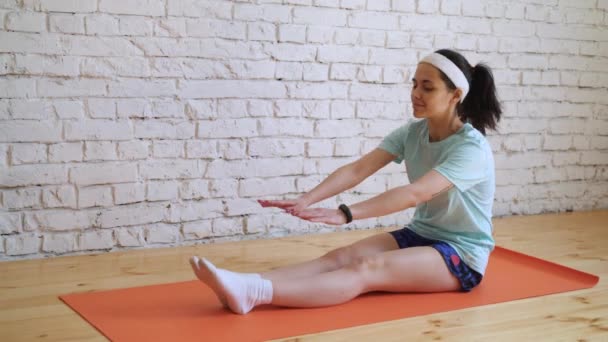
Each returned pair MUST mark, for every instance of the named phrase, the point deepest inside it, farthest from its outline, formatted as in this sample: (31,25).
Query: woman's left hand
(329,216)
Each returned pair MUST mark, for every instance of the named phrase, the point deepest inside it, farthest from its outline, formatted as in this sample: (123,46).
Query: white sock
(241,292)
(205,276)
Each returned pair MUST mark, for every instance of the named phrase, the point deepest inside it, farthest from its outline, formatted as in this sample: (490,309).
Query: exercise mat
(189,311)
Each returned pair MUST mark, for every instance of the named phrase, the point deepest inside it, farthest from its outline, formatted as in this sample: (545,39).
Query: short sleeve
(465,166)
(394,143)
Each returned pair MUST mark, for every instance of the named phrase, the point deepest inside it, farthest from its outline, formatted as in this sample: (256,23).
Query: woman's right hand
(293,207)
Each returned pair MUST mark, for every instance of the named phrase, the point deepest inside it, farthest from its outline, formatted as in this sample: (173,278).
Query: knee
(340,257)
(366,265)
(366,271)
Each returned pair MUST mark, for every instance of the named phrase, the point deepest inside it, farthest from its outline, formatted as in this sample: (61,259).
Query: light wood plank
(31,311)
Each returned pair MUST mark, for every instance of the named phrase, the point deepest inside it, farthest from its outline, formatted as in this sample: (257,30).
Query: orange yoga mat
(189,311)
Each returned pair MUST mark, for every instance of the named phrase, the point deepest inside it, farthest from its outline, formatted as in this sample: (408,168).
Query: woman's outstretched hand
(291,206)
(298,208)
(328,216)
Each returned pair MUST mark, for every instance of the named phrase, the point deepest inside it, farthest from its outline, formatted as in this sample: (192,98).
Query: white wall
(160,122)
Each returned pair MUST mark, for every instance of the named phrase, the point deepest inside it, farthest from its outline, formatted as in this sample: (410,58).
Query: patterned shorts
(467,277)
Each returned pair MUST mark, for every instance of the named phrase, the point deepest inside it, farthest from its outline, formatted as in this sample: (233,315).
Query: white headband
(450,70)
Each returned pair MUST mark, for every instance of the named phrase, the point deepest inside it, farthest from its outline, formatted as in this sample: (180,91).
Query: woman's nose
(415,94)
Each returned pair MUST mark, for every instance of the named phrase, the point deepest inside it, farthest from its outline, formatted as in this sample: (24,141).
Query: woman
(451,172)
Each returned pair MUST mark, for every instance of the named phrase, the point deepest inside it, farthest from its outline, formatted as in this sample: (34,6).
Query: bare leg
(335,259)
(416,269)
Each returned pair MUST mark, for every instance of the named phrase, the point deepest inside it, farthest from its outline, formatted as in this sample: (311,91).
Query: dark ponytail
(480,107)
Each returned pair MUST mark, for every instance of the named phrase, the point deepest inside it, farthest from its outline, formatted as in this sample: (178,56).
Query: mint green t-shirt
(462,216)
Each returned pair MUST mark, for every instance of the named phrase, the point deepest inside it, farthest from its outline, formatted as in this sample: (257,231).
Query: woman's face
(430,95)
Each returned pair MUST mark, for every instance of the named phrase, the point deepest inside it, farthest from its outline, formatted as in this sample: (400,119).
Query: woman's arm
(342,179)
(403,197)
(394,200)
(348,176)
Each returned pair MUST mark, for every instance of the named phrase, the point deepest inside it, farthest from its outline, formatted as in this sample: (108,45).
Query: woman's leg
(415,269)
(335,259)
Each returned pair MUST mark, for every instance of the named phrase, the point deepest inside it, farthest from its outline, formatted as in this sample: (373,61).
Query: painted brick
(92,240)
(100,173)
(96,196)
(59,197)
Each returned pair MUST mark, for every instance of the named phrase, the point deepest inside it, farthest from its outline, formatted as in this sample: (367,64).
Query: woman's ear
(456,96)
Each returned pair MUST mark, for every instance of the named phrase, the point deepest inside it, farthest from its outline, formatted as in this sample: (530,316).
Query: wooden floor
(31,311)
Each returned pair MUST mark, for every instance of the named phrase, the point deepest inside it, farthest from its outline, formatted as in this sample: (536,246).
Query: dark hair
(480,106)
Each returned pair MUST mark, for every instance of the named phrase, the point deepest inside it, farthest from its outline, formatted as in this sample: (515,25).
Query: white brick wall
(148,122)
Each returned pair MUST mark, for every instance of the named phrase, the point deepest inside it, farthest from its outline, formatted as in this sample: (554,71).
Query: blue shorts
(467,277)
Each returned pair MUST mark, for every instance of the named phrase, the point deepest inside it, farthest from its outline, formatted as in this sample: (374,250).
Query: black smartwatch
(346,210)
